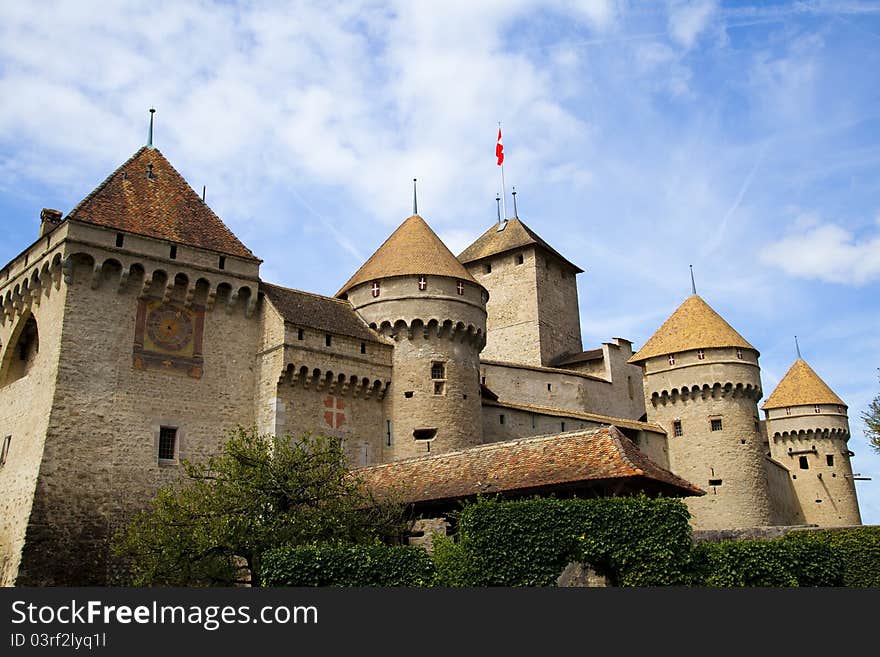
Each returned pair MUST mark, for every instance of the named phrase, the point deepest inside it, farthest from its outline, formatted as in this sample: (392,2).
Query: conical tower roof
(147,196)
(507,236)
(694,325)
(412,249)
(801,386)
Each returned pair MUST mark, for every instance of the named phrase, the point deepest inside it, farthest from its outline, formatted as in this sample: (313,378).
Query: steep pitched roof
(515,235)
(694,325)
(318,312)
(801,386)
(164,206)
(564,461)
(411,249)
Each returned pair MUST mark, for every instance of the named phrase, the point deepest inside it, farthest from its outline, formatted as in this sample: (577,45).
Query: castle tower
(414,290)
(702,384)
(533,304)
(808,430)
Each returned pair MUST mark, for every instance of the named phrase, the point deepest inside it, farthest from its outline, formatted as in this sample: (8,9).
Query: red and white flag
(499,149)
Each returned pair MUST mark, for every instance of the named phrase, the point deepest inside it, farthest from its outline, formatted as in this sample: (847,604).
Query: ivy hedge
(857,548)
(348,565)
(634,541)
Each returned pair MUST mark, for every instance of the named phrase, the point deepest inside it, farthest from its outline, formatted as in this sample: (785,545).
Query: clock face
(169,327)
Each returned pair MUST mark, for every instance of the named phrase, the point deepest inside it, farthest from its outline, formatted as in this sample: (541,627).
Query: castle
(135,331)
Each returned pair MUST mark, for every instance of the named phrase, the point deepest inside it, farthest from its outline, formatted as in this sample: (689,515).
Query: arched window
(21,354)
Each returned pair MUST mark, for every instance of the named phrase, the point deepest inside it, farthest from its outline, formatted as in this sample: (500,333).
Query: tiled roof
(578,415)
(514,236)
(564,461)
(694,325)
(164,206)
(581,357)
(411,249)
(538,368)
(318,312)
(801,386)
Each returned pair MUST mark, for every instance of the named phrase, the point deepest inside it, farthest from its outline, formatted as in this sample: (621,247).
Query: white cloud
(687,20)
(827,252)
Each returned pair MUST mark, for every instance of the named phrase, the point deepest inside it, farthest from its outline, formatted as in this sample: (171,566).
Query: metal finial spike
(693,284)
(415,199)
(498,205)
(797,346)
(203,193)
(150,135)
(515,213)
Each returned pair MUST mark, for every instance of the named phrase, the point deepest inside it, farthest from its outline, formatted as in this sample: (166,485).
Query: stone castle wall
(100,462)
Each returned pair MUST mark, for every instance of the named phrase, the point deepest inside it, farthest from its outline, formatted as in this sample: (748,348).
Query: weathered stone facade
(136,331)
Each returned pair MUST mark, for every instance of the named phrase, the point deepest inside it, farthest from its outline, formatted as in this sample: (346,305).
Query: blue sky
(641,136)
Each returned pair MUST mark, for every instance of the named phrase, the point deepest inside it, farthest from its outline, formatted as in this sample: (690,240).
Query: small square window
(519,259)
(715,482)
(715,424)
(438,370)
(701,355)
(676,428)
(167,444)
(328,339)
(829,460)
(424,434)
(439,387)
(804,463)
(501,418)
(4,451)
(487,268)
(300,334)
(408,394)
(671,358)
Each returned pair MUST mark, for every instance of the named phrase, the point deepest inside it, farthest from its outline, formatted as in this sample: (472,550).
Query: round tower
(808,429)
(702,384)
(414,290)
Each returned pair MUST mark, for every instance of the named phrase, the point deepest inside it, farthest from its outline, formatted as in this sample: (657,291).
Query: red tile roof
(164,206)
(578,459)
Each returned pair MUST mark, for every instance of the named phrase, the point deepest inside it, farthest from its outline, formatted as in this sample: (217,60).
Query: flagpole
(503,190)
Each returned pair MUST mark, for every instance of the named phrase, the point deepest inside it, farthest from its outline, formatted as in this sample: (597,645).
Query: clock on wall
(169,336)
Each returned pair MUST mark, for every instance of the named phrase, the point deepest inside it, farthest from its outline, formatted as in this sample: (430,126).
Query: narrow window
(388,442)
(363,347)
(829,460)
(222,262)
(672,359)
(533,420)
(487,268)
(701,355)
(300,334)
(562,426)
(501,418)
(459,287)
(788,410)
(804,463)
(328,340)
(167,444)
(519,259)
(482,380)
(376,289)
(816,408)
(4,451)
(739,353)
(423,282)
(716,424)
(629,386)
(549,387)
(120,239)
(757,425)
(173,253)
(676,428)
(424,434)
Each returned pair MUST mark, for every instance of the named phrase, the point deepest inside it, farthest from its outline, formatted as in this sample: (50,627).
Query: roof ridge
(616,435)
(307,293)
(575,414)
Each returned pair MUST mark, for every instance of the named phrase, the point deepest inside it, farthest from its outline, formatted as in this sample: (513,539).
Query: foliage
(258,493)
(872,422)
(348,565)
(776,563)
(635,541)
(857,548)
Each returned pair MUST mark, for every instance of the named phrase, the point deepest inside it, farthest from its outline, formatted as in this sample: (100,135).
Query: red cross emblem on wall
(335,415)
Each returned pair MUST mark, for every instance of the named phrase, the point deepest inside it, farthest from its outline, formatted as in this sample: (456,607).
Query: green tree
(259,492)
(872,421)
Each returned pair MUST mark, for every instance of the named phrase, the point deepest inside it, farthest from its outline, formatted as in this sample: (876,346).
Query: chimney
(49,218)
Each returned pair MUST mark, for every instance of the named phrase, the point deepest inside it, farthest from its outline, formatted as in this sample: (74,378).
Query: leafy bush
(635,541)
(857,548)
(348,565)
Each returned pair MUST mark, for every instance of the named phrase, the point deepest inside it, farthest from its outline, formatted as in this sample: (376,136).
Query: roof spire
(498,204)
(150,135)
(693,284)
(415,199)
(515,213)
(797,346)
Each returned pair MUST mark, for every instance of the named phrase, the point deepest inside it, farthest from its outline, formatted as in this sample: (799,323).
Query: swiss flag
(499,149)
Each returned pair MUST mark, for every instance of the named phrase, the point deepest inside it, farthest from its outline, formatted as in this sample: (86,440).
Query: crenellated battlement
(433,328)
(705,391)
(817,433)
(334,383)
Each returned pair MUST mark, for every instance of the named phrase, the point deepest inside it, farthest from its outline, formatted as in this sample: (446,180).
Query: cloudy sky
(742,138)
